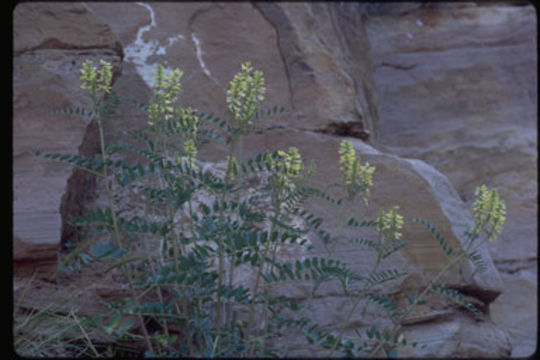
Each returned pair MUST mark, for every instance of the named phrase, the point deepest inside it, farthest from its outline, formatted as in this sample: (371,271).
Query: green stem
(220,266)
(418,299)
(258,276)
(306,306)
(110,197)
(236,151)
(340,232)
(355,304)
(397,325)
(231,278)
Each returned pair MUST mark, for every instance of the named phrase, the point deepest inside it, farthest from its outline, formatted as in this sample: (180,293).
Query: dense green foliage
(195,231)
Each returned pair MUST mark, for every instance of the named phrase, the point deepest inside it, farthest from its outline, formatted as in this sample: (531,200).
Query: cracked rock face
(311,65)
(457,89)
(49,47)
(318,60)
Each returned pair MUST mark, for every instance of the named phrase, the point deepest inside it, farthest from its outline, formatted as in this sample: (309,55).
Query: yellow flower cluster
(390,222)
(166,91)
(190,152)
(188,120)
(245,92)
(162,109)
(489,212)
(285,168)
(357,178)
(95,81)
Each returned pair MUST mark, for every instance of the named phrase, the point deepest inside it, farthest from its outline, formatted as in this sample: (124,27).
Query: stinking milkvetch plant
(183,290)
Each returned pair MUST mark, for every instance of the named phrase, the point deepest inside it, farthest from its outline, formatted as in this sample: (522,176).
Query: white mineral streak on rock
(140,50)
(162,50)
(459,217)
(198,52)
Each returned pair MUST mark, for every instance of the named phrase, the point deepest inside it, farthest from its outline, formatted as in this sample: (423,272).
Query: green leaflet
(316,269)
(382,300)
(447,249)
(479,263)
(76,111)
(91,164)
(271,112)
(103,218)
(364,223)
(457,297)
(383,276)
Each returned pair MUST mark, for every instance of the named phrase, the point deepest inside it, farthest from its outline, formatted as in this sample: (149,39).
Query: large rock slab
(59,26)
(208,41)
(314,67)
(457,88)
(326,52)
(515,308)
(49,47)
(420,191)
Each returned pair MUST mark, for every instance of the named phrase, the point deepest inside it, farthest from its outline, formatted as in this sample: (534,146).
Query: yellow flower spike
(165,93)
(380,221)
(97,83)
(390,222)
(105,76)
(158,78)
(246,67)
(347,161)
(285,168)
(88,71)
(88,77)
(295,161)
(357,178)
(190,152)
(366,175)
(153,111)
(244,94)
(366,172)
(188,121)
(489,212)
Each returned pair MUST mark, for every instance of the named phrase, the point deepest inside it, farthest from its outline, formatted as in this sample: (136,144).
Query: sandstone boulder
(457,88)
(49,47)
(420,191)
(314,67)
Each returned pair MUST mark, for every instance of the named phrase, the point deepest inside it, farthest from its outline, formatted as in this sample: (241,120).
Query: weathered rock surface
(58,26)
(47,57)
(314,67)
(420,191)
(457,88)
(326,54)
(318,60)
